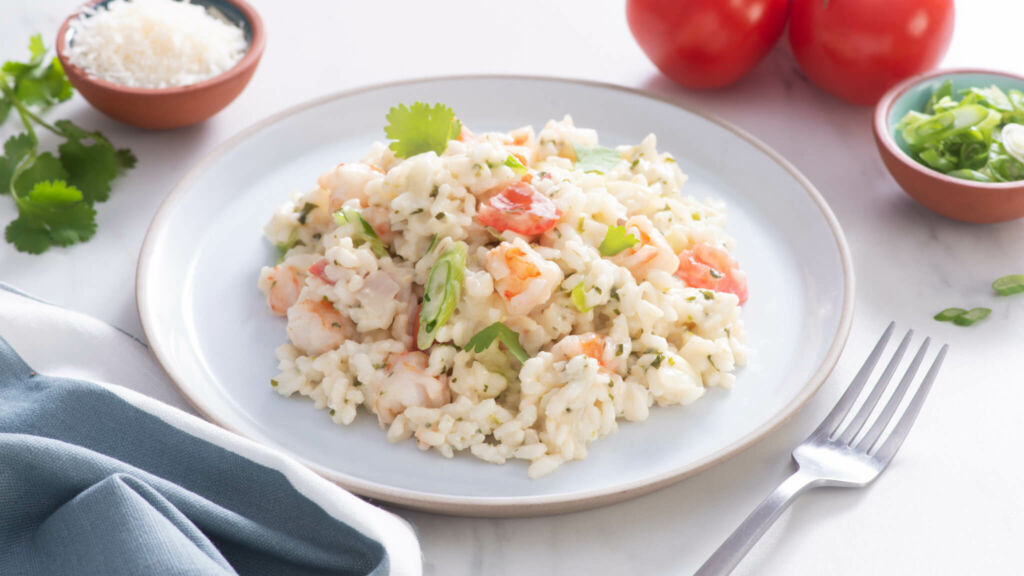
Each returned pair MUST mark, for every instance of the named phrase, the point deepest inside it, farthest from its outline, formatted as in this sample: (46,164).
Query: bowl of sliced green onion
(954,141)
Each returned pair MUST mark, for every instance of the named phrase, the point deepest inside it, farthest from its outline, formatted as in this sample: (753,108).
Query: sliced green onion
(579,298)
(364,232)
(1007,285)
(972,316)
(949,314)
(441,293)
(968,174)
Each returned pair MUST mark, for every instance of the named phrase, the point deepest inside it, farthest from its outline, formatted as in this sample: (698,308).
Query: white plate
(211,330)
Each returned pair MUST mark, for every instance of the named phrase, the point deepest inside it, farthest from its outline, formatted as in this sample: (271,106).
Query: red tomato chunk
(519,208)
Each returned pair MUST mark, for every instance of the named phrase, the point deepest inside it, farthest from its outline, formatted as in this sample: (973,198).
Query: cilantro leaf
(36,46)
(71,130)
(16,149)
(89,168)
(597,159)
(28,235)
(60,88)
(483,339)
(421,128)
(53,213)
(35,85)
(37,49)
(54,195)
(616,240)
(46,167)
(125,160)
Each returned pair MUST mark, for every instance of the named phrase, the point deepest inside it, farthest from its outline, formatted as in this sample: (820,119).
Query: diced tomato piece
(712,268)
(317,270)
(519,208)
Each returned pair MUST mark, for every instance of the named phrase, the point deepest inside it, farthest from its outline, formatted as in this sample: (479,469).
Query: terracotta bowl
(165,108)
(959,199)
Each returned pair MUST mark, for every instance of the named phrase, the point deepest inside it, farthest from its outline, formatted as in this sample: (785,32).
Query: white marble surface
(953,502)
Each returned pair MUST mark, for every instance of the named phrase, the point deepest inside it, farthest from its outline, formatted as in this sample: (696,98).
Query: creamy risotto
(514,295)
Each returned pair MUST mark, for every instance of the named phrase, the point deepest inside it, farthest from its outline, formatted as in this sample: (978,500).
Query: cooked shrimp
(522,276)
(316,326)
(348,181)
(408,384)
(282,288)
(588,344)
(652,252)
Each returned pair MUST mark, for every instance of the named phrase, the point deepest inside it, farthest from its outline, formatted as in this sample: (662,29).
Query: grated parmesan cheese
(155,43)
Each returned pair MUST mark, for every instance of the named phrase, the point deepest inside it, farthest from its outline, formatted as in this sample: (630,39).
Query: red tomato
(706,43)
(519,208)
(708,267)
(858,49)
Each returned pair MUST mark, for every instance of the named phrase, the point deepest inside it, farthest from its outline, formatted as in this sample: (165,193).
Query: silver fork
(838,455)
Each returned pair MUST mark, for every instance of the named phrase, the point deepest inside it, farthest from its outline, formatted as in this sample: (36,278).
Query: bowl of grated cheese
(161,64)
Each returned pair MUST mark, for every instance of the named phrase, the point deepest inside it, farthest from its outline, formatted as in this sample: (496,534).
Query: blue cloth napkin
(90,483)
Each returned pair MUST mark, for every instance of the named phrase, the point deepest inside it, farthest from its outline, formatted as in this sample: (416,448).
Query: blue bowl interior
(917,96)
(226,9)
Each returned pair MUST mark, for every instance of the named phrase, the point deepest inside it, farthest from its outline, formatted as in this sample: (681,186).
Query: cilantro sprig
(421,128)
(54,194)
(483,339)
(616,240)
(597,159)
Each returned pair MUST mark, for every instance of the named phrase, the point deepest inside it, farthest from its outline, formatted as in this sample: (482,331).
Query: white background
(952,503)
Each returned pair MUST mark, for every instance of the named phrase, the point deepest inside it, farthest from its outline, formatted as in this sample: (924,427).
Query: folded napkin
(97,478)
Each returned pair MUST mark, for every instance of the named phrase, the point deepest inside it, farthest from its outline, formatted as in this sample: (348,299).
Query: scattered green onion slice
(579,298)
(364,232)
(972,316)
(1007,285)
(442,292)
(949,314)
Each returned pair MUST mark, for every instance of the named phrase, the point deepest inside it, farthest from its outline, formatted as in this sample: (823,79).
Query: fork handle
(729,554)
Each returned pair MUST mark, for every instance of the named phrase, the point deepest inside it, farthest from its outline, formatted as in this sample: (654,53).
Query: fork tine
(829,424)
(887,413)
(899,432)
(871,401)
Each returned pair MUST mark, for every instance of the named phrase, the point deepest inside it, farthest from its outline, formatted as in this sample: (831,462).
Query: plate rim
(503,506)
